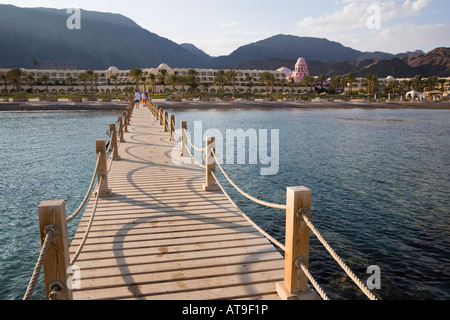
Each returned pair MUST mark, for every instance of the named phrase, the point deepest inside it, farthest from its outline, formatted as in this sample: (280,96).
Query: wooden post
(121,130)
(52,215)
(295,285)
(172,126)
(129,113)
(161,116)
(166,121)
(115,148)
(210,184)
(183,129)
(125,125)
(103,191)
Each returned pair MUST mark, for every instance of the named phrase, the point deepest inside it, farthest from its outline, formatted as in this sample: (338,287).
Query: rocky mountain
(287,47)
(104,40)
(433,63)
(198,52)
(107,39)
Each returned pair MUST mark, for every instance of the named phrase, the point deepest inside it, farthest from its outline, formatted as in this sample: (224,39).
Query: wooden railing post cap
(52,203)
(298,189)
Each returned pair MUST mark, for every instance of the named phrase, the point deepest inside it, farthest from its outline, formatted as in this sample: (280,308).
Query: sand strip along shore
(258,104)
(62,105)
(303,104)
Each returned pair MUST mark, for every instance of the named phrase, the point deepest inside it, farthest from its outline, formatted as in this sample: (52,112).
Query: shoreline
(303,105)
(62,106)
(238,104)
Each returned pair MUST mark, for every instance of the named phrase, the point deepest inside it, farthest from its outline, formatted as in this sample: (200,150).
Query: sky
(220,27)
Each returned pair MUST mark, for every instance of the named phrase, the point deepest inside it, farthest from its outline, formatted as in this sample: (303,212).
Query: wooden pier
(158,229)
(160,236)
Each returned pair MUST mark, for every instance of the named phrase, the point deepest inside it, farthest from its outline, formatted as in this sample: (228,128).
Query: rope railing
(268,236)
(302,216)
(191,144)
(88,229)
(51,230)
(338,259)
(91,186)
(320,291)
(261,202)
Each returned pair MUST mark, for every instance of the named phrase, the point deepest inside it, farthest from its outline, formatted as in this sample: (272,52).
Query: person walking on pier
(137,98)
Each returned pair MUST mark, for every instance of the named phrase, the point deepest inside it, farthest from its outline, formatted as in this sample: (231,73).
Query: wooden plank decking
(160,236)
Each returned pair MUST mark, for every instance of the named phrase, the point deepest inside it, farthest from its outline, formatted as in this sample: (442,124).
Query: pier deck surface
(160,236)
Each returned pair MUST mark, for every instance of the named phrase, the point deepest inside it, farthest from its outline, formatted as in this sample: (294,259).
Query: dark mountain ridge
(107,39)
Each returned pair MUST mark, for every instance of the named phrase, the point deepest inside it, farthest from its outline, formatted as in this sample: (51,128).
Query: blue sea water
(380,182)
(43,156)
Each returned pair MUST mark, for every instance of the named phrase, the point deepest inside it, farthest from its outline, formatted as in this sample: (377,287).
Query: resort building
(64,80)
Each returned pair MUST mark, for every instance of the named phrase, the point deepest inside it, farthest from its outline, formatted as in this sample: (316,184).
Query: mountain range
(107,39)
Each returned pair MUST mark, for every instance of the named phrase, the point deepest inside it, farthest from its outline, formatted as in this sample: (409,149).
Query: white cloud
(228,25)
(349,25)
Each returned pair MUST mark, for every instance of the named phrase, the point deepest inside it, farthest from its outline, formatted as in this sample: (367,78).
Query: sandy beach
(303,104)
(196,104)
(62,105)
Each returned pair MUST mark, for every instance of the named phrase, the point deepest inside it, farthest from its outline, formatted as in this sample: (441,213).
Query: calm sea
(43,156)
(380,182)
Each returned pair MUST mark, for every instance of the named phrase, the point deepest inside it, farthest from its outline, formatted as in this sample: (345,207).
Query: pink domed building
(301,70)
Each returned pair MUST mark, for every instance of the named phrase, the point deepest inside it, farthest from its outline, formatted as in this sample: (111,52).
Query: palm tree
(83,77)
(71,81)
(417,82)
(5,81)
(309,81)
(90,75)
(322,78)
(114,77)
(283,84)
(95,78)
(136,74)
(172,79)
(249,80)
(220,80)
(36,64)
(442,83)
(152,78)
(292,84)
(30,81)
(162,75)
(16,75)
(432,81)
(268,79)
(372,83)
(335,83)
(350,78)
(231,76)
(45,79)
(191,80)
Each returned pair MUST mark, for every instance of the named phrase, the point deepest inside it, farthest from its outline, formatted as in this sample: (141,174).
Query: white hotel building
(58,84)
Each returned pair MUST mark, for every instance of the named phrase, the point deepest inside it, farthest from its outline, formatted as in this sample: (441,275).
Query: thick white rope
(263,203)
(190,142)
(268,236)
(198,163)
(313,281)
(88,229)
(75,214)
(343,265)
(37,270)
